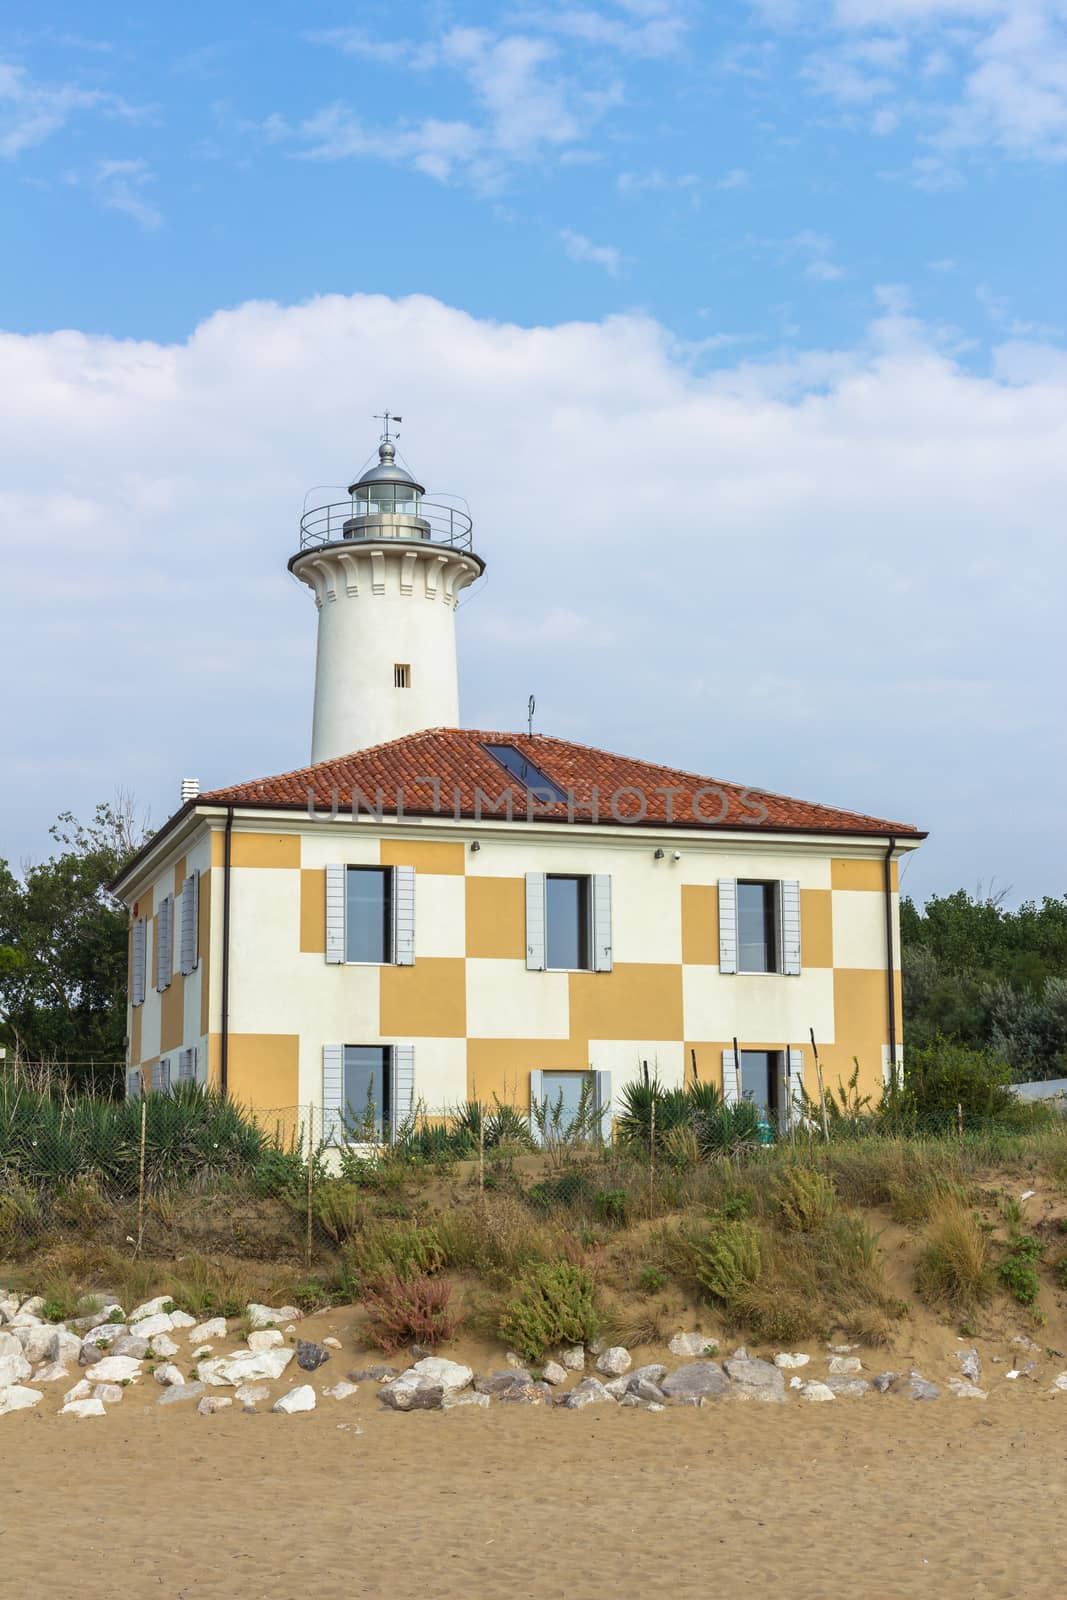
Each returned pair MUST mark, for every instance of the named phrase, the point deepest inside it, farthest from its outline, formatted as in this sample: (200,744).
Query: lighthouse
(386,566)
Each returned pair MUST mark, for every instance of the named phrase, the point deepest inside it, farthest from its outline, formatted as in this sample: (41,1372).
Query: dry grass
(954,1267)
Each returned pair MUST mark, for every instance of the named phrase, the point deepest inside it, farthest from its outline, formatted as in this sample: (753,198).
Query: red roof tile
(471,783)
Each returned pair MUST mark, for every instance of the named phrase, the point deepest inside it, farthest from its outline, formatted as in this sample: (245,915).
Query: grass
(953,1269)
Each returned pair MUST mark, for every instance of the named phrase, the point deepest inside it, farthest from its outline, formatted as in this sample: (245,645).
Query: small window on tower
(401,675)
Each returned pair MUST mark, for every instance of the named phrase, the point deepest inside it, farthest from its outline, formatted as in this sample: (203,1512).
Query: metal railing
(326,524)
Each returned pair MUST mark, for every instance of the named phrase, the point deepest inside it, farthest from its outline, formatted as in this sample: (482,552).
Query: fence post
(652,1161)
(822,1091)
(481,1151)
(959,1122)
(311,1181)
(140,1178)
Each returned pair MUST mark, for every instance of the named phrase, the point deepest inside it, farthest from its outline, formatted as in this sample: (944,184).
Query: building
(427,914)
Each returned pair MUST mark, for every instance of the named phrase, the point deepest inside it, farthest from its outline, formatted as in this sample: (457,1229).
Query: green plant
(804,1198)
(116,1315)
(552,1305)
(613,1205)
(392,1249)
(725,1259)
(403,1309)
(652,1280)
(1017,1270)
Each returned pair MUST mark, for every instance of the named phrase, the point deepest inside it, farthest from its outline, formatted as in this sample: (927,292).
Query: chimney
(190,789)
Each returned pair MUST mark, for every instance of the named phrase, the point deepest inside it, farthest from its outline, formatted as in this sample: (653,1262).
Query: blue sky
(813,252)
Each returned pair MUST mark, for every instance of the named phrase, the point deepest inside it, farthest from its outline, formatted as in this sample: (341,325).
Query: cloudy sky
(741,327)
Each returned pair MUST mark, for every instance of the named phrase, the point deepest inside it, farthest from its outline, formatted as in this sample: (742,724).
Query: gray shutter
(601,922)
(887,1067)
(535,921)
(140,950)
(333,1092)
(165,943)
(727,924)
(404,916)
(161,1075)
(537,1095)
(603,1104)
(335,912)
(787,905)
(186,1066)
(133,1083)
(190,938)
(403,1086)
(794,1088)
(731,1078)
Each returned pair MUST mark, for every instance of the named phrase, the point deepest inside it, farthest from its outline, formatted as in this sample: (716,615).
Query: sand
(871,1497)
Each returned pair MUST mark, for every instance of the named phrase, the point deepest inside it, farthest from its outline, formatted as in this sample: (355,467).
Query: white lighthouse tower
(386,566)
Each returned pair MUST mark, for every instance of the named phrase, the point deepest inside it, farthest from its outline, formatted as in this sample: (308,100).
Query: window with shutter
(403,1073)
(161,1076)
(333,1089)
(788,919)
(535,921)
(133,1083)
(335,912)
(190,934)
(728,925)
(403,895)
(731,1078)
(165,943)
(139,962)
(794,1108)
(601,922)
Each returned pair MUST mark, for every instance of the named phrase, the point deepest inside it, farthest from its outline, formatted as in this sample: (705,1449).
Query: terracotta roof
(625,790)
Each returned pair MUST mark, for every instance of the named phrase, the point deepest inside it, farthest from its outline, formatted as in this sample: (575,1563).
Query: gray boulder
(131,1345)
(180,1391)
(963,1389)
(377,1374)
(614,1361)
(643,1389)
(754,1379)
(589,1392)
(919,1388)
(525,1394)
(552,1373)
(970,1365)
(695,1381)
(500,1381)
(693,1344)
(842,1383)
(573,1358)
(412,1396)
(310,1356)
(885,1381)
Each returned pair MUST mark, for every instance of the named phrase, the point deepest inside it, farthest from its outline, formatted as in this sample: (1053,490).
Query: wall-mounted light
(475,845)
(676,855)
(657,855)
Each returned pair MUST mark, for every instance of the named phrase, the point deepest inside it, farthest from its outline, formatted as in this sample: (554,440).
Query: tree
(63,939)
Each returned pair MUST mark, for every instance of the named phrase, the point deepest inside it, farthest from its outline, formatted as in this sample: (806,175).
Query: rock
(81,1391)
(884,1381)
(464,1397)
(10,1345)
(104,1335)
(114,1369)
(9,1305)
(341,1390)
(755,1380)
(655,1407)
(162,1305)
(332,1344)
(13,1368)
(970,1365)
(741,1353)
(843,1364)
(515,1361)
(40,1344)
(310,1356)
(963,1389)
(33,1305)
(266,1316)
(449,1374)
(213,1328)
(552,1373)
(841,1383)
(244,1367)
(130,1345)
(109,1393)
(266,1339)
(372,1374)
(249,1393)
(498,1382)
(51,1372)
(25,1319)
(412,1396)
(209,1404)
(644,1389)
(151,1327)
(525,1394)
(614,1361)
(299,1399)
(1023,1343)
(1059,1383)
(573,1358)
(784,1359)
(841,1349)
(589,1392)
(695,1381)
(18,1398)
(617,1387)
(419,1352)
(163,1345)
(169,1375)
(182,1319)
(180,1391)
(919,1388)
(102,1313)
(693,1344)
(83,1408)
(67,1347)
(655,1371)
(816,1392)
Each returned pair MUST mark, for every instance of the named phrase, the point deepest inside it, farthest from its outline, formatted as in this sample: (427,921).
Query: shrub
(804,1199)
(612,1205)
(1060,1269)
(1017,1270)
(339,1209)
(726,1259)
(415,1308)
(392,1250)
(553,1305)
(953,1267)
(652,1280)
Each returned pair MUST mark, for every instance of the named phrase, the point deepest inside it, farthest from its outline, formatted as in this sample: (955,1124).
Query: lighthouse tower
(386,566)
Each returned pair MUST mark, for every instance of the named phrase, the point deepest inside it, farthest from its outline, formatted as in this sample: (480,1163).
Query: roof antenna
(386,417)
(531,705)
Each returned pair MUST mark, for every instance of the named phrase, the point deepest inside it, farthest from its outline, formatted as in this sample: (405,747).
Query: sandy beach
(873,1497)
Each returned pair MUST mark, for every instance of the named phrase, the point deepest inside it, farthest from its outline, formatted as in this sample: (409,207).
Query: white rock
(964,1390)
(208,1404)
(244,1368)
(843,1364)
(795,1382)
(104,1333)
(40,1344)
(9,1306)
(590,1392)
(300,1399)
(13,1369)
(109,1393)
(67,1346)
(169,1375)
(81,1391)
(265,1339)
(114,1369)
(467,1397)
(617,1387)
(213,1328)
(342,1389)
(1059,1382)
(10,1345)
(148,1327)
(163,1345)
(33,1305)
(816,1391)
(449,1374)
(182,1319)
(573,1359)
(553,1373)
(693,1344)
(615,1361)
(83,1408)
(249,1393)
(151,1308)
(784,1359)
(841,1349)
(17,1398)
(51,1372)
(26,1319)
(266,1316)
(332,1344)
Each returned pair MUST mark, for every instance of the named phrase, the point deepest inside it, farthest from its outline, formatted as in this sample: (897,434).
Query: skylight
(523,769)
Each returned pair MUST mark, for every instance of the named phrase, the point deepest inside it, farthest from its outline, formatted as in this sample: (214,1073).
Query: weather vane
(386,417)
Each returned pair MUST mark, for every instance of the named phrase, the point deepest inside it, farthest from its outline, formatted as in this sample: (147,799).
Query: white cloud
(31,112)
(676,515)
(813,250)
(120,186)
(579,248)
(651,29)
(636,182)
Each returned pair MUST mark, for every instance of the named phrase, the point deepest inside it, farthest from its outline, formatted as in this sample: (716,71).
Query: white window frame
(401,891)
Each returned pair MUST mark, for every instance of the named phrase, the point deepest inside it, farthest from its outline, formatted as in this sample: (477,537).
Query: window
(564,1091)
(567,919)
(369,914)
(138,963)
(165,943)
(761,1072)
(402,675)
(521,767)
(367,1107)
(757,935)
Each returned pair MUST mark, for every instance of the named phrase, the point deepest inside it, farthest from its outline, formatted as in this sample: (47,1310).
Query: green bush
(725,1259)
(1017,1270)
(614,1206)
(391,1250)
(552,1305)
(804,1199)
(652,1280)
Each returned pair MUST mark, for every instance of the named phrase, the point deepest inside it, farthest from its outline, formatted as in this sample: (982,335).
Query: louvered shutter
(165,943)
(887,1067)
(190,936)
(535,921)
(795,1083)
(333,1093)
(537,1095)
(138,964)
(187,1066)
(727,924)
(601,892)
(603,1104)
(161,1075)
(133,1083)
(335,912)
(787,906)
(402,1096)
(404,916)
(731,1078)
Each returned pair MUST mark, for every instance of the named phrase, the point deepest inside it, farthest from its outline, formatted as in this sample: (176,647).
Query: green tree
(63,939)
